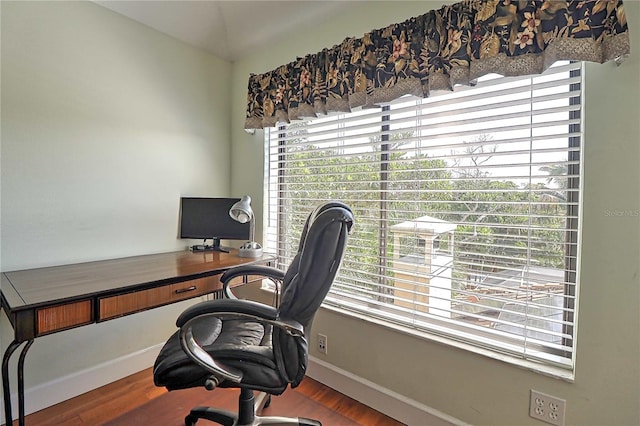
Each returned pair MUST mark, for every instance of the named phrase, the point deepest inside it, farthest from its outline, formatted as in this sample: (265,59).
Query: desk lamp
(242,212)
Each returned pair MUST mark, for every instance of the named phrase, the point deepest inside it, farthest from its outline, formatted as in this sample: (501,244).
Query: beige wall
(105,124)
(471,387)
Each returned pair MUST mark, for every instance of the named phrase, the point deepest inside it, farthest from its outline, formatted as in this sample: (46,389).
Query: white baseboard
(386,401)
(50,393)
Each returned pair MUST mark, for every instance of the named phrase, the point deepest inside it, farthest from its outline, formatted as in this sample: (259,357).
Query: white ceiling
(228,29)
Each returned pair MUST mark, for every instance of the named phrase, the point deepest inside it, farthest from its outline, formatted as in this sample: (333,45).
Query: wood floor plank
(135,400)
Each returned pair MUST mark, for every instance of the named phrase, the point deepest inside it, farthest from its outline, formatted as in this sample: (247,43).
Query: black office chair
(251,346)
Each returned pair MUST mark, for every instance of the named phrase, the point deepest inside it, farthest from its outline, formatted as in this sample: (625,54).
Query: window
(466,205)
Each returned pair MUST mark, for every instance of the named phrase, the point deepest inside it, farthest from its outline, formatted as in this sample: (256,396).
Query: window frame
(447,331)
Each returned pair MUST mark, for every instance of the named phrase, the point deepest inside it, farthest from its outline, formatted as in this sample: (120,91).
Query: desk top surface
(32,287)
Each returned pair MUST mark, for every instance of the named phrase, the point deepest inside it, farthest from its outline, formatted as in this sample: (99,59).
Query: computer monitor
(208,219)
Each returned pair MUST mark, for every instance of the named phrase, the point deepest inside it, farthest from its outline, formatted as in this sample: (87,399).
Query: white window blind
(466,204)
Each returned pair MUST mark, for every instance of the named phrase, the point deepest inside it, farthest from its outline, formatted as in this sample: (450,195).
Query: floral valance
(435,51)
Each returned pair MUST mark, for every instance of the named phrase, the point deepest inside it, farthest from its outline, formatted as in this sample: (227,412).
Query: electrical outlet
(547,408)
(322,344)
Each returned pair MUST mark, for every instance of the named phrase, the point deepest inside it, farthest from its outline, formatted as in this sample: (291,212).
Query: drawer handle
(184,290)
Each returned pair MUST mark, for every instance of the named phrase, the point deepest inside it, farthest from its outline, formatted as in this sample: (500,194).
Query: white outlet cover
(547,408)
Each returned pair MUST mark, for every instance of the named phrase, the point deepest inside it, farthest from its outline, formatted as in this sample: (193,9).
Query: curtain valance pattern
(435,51)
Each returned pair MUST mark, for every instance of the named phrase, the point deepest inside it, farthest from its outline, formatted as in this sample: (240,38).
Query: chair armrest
(275,275)
(222,306)
(227,309)
(266,271)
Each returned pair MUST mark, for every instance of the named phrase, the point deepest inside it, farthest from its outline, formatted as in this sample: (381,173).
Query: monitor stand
(213,247)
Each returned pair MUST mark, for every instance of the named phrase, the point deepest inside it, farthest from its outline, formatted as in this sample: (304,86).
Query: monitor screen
(208,218)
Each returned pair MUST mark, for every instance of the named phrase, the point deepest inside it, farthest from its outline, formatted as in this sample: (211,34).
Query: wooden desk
(49,300)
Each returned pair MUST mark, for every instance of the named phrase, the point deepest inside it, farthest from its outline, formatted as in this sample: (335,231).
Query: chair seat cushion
(243,345)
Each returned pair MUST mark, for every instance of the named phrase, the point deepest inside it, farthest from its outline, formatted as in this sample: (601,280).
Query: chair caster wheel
(268,403)
(190,420)
(308,422)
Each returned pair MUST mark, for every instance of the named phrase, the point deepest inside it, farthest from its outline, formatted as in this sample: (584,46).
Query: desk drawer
(129,303)
(62,317)
(193,288)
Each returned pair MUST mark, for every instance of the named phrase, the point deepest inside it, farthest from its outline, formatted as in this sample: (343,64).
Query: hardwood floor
(135,400)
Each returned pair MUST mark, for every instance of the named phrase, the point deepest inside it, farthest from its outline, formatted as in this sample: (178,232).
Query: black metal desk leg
(6,388)
(23,354)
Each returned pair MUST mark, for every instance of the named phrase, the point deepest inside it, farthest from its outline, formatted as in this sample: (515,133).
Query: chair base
(248,410)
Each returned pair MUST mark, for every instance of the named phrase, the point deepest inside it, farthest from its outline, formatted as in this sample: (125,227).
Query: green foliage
(502,224)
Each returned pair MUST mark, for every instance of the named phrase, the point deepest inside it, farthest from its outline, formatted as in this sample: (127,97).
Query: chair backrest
(309,278)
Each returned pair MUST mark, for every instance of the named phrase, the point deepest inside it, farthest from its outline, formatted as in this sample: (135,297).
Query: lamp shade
(241,211)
